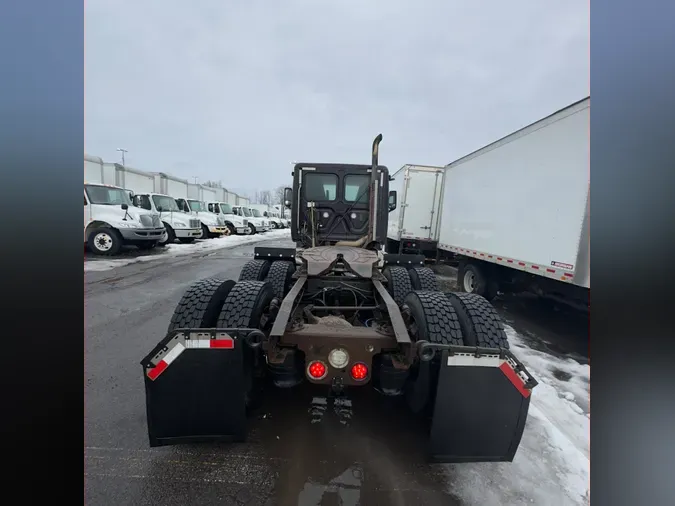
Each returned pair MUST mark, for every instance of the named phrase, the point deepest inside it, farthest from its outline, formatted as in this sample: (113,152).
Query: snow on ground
(174,250)
(552,465)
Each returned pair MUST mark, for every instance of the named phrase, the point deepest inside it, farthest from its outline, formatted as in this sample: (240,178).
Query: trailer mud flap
(481,406)
(195,387)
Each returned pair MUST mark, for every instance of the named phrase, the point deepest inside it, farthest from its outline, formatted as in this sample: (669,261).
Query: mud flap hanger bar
(427,351)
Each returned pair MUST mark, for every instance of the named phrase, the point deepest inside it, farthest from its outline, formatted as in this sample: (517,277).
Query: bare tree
(279,196)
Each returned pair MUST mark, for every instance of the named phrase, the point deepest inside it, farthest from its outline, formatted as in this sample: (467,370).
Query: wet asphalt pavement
(304,448)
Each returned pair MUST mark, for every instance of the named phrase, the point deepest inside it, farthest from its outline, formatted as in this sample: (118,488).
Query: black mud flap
(195,387)
(481,406)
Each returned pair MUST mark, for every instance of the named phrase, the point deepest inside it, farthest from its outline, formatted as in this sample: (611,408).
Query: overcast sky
(236,91)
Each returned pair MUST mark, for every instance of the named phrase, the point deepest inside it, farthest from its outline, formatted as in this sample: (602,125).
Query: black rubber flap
(199,397)
(479,415)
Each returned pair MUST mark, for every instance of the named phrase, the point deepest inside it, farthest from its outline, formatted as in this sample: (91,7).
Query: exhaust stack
(372,219)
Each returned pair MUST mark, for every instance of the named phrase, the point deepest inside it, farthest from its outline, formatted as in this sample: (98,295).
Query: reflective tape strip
(226,344)
(166,361)
(470,360)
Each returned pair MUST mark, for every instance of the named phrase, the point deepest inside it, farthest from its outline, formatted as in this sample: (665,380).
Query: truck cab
(111,221)
(267,213)
(235,223)
(330,203)
(177,223)
(256,222)
(212,224)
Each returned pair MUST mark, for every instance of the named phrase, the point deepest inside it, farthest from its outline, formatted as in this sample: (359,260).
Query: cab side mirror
(125,207)
(392,200)
(288,197)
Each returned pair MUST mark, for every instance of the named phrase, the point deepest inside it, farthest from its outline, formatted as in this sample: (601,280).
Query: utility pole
(123,151)
(195,178)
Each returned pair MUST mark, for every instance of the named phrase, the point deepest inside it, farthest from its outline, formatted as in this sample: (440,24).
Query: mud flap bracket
(481,404)
(195,386)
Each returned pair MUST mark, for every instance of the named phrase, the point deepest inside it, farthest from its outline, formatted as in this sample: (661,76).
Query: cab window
(321,187)
(356,187)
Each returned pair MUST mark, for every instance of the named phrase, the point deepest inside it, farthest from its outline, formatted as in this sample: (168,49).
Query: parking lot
(308,449)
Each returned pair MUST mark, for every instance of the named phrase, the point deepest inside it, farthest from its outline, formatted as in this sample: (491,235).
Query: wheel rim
(469,281)
(103,241)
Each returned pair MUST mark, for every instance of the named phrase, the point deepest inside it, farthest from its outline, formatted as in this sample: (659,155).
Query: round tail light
(359,371)
(317,370)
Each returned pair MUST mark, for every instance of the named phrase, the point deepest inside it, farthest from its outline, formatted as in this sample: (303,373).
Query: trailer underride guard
(339,312)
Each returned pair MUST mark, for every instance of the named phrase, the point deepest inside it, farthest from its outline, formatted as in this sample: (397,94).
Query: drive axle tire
(245,304)
(398,283)
(423,278)
(433,318)
(280,277)
(479,321)
(104,241)
(201,304)
(255,270)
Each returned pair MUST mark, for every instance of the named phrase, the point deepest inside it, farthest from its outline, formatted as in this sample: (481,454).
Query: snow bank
(174,250)
(552,465)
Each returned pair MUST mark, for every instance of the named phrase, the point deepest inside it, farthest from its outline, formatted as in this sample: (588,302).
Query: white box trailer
(413,227)
(516,212)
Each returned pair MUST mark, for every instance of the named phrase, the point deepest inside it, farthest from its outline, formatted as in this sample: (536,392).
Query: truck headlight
(180,224)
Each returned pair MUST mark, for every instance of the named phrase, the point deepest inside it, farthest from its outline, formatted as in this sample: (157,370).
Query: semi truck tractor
(337,312)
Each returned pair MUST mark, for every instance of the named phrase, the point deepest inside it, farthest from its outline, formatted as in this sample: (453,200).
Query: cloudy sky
(236,91)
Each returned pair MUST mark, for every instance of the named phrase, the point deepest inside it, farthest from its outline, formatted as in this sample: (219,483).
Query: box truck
(515,213)
(414,224)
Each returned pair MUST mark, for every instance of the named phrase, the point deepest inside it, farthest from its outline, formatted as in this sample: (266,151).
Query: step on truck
(212,224)
(339,313)
(111,221)
(178,224)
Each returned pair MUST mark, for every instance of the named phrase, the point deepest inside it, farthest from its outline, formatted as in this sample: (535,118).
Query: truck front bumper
(217,229)
(185,233)
(141,234)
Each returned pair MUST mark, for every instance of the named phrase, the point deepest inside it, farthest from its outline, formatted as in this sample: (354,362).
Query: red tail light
(359,371)
(316,369)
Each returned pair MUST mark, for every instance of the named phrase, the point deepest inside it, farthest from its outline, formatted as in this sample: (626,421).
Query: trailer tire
(398,283)
(479,321)
(104,241)
(245,304)
(423,278)
(280,276)
(471,278)
(254,270)
(434,317)
(201,304)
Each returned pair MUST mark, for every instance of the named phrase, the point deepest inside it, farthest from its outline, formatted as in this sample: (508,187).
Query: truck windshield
(197,206)
(256,213)
(166,203)
(227,208)
(106,195)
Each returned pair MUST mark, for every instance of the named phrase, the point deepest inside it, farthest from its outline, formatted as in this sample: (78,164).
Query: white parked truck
(414,224)
(178,224)
(111,221)
(516,212)
(237,224)
(255,220)
(213,225)
(268,213)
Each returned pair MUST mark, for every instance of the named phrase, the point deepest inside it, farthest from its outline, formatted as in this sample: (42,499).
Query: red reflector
(317,370)
(359,371)
(228,344)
